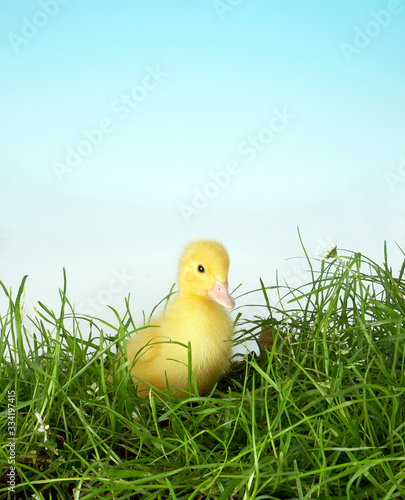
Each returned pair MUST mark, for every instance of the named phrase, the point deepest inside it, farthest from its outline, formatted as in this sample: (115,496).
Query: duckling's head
(203,271)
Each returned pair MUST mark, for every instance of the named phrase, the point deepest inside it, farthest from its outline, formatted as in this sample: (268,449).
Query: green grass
(321,415)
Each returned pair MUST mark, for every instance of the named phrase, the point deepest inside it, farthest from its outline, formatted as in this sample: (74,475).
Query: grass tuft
(320,413)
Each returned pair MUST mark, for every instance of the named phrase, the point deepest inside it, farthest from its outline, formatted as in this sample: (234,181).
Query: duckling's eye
(201,269)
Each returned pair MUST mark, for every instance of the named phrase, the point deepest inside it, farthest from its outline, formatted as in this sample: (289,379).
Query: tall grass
(319,415)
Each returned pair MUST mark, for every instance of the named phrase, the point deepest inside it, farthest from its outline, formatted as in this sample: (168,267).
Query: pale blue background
(335,171)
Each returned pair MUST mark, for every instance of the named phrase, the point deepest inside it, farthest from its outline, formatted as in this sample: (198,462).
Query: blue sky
(119,118)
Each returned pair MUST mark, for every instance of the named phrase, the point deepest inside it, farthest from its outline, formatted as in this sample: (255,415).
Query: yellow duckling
(196,315)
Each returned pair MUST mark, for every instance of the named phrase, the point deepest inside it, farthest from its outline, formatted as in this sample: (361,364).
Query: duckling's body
(196,316)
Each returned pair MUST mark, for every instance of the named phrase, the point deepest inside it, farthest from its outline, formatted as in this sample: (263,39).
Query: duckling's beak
(221,295)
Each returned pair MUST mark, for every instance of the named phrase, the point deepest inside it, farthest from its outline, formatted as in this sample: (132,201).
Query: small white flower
(353,365)
(330,251)
(93,389)
(42,428)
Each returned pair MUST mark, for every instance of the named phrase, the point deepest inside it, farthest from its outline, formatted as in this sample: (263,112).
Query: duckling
(197,316)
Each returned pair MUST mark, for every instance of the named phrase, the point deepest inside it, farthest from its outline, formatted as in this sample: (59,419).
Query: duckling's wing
(142,348)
